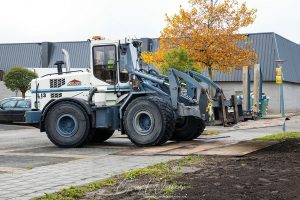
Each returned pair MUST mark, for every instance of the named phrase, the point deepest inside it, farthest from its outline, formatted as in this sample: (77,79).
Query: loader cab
(112,61)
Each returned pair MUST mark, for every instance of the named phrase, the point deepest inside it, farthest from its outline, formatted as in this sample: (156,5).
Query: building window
(1,75)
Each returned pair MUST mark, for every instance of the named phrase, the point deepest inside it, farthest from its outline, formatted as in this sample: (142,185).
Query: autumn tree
(209,31)
(19,78)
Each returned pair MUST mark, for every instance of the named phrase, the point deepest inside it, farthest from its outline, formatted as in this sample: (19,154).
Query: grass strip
(280,136)
(160,172)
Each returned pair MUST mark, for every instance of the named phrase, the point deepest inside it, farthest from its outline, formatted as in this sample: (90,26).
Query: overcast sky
(77,20)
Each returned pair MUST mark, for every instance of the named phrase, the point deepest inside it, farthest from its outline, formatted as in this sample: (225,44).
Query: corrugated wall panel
(289,51)
(264,46)
(25,55)
(79,53)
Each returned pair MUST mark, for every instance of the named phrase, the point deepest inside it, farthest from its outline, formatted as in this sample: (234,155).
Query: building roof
(268,46)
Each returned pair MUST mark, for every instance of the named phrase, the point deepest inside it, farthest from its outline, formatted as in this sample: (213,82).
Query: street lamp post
(279,81)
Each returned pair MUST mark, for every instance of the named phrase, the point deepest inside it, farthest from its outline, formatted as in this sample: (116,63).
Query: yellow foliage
(209,32)
(155,58)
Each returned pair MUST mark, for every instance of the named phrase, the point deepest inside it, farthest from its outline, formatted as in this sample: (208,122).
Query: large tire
(101,135)
(149,121)
(188,128)
(67,125)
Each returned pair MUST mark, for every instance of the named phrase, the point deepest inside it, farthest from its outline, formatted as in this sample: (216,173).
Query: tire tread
(79,144)
(168,117)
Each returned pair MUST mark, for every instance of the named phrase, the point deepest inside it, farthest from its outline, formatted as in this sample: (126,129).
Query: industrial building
(268,46)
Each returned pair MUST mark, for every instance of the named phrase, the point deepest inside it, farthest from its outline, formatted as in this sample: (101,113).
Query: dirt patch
(271,173)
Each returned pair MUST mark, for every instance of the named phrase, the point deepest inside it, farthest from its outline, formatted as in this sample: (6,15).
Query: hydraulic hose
(90,99)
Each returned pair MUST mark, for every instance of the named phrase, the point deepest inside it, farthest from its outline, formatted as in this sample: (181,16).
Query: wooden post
(246,91)
(224,111)
(235,109)
(256,82)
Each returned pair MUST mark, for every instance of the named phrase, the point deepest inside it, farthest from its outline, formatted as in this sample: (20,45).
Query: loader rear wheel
(149,121)
(67,125)
(188,128)
(101,135)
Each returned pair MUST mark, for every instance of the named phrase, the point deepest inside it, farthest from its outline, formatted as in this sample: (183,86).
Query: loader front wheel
(67,125)
(188,128)
(149,121)
(101,135)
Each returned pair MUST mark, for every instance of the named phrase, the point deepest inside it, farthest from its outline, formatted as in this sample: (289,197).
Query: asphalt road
(11,126)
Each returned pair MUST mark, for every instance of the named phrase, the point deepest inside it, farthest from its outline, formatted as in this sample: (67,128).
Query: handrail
(62,73)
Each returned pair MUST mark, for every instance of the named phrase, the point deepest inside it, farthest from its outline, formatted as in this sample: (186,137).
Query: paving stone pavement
(89,164)
(47,179)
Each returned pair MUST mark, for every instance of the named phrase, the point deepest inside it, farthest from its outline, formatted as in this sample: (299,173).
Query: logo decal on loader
(74,83)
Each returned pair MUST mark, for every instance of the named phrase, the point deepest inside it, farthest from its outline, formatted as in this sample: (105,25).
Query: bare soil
(272,173)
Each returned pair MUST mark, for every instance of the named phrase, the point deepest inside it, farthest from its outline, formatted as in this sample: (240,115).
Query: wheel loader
(116,93)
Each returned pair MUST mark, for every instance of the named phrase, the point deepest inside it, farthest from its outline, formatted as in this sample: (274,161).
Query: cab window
(104,58)
(125,63)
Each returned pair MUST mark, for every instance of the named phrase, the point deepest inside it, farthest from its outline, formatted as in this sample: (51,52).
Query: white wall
(4,92)
(291,94)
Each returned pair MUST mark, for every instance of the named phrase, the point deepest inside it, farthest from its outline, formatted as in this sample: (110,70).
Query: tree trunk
(211,90)
(211,94)
(210,73)
(23,95)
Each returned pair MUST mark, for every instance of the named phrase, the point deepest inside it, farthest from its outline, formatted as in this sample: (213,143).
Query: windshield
(104,56)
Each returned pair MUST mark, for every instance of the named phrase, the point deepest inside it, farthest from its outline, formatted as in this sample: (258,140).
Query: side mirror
(137,43)
(1,107)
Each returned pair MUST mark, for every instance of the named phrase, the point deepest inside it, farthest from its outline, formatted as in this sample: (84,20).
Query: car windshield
(9,104)
(4,101)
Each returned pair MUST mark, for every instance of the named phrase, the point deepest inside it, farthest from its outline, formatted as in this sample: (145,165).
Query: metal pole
(282,104)
(282,100)
(260,91)
(248,94)
(282,109)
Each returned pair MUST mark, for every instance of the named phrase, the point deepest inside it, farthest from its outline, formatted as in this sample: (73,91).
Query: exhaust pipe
(59,65)
(67,60)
